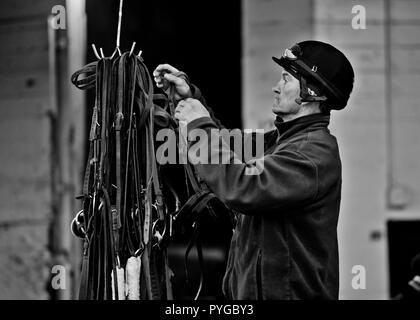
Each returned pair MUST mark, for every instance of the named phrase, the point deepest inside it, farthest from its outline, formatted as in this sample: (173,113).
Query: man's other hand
(189,110)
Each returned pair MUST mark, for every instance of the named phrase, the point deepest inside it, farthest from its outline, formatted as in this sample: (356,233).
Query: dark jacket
(285,242)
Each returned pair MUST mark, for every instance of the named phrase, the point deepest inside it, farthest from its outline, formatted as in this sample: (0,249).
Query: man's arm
(270,182)
(165,74)
(196,94)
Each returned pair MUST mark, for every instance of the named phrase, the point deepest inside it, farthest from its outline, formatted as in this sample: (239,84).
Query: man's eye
(285,78)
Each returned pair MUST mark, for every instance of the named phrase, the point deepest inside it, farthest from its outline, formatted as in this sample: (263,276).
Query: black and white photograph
(210,154)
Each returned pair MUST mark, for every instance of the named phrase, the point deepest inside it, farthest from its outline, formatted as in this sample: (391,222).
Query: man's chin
(277,110)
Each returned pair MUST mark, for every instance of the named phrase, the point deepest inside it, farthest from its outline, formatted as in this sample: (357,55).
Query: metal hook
(132,48)
(95,52)
(117,45)
(119,24)
(117,50)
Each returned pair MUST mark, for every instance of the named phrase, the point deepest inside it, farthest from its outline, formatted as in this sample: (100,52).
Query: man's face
(286,92)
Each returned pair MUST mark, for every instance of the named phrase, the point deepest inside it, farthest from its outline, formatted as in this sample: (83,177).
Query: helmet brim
(287,66)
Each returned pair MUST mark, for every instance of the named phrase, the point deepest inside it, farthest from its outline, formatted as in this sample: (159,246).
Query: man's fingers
(159,81)
(160,76)
(179,107)
(164,68)
(178,116)
(175,80)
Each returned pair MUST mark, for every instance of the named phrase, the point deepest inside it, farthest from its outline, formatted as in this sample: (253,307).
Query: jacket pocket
(259,276)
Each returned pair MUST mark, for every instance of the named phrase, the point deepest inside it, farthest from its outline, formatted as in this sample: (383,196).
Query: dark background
(202,39)
(403,246)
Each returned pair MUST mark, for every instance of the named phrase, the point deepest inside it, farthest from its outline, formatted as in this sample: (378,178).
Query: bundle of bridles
(126,220)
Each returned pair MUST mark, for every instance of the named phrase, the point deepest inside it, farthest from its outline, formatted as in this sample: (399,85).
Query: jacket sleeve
(269,182)
(196,94)
(231,136)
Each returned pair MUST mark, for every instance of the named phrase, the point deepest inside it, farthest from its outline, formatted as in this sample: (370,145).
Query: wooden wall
(30,199)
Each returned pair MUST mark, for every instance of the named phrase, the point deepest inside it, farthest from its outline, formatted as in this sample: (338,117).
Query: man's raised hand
(165,74)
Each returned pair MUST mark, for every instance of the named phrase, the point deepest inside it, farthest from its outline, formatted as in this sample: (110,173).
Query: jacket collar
(306,123)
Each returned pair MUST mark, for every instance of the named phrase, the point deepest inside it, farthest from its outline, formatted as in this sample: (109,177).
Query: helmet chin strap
(305,96)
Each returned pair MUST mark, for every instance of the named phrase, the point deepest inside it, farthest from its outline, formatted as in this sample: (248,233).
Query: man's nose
(276,89)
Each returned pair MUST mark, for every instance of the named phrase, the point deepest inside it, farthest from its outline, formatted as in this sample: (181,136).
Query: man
(285,241)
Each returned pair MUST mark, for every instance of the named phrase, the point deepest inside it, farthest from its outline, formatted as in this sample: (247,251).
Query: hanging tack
(120,284)
(132,48)
(140,52)
(102,53)
(95,52)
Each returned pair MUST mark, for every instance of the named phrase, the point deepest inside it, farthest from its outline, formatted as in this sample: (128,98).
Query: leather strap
(89,81)
(122,186)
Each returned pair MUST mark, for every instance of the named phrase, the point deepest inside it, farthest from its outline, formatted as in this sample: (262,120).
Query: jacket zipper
(259,280)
